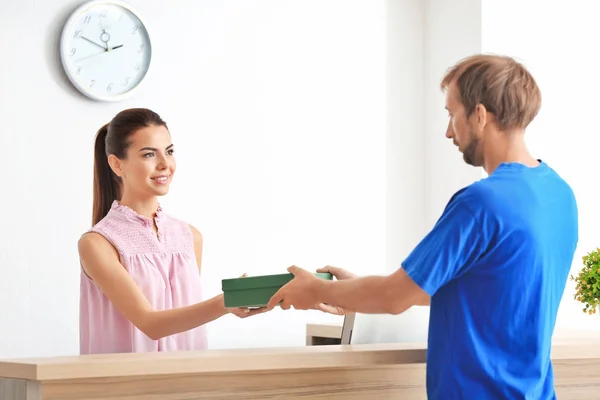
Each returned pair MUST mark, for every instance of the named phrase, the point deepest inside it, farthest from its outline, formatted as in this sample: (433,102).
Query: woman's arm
(100,262)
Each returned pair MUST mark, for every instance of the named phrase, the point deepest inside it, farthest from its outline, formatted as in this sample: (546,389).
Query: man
(495,265)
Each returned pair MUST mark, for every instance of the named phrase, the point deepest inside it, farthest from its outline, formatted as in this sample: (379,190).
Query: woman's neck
(145,207)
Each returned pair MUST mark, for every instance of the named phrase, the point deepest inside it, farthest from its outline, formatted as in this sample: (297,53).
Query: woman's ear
(116,165)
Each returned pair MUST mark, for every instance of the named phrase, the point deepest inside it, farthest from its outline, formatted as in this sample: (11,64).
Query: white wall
(308,132)
(451,30)
(298,128)
(563,133)
(559,51)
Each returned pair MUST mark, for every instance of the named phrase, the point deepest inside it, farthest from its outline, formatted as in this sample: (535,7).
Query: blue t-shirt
(496,265)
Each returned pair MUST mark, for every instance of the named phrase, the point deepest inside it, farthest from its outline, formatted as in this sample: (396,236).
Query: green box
(256,291)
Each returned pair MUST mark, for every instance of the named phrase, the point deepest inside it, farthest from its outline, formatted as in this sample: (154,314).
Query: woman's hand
(242,312)
(245,312)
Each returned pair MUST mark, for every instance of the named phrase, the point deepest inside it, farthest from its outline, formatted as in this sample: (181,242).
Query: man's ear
(116,165)
(481,116)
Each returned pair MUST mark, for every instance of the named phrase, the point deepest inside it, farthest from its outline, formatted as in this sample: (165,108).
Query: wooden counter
(356,372)
(315,372)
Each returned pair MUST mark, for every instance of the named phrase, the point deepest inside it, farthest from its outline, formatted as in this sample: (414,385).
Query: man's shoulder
(483,200)
(473,195)
(559,184)
(507,188)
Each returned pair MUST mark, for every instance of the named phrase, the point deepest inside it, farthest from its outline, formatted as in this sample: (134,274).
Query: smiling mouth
(161,179)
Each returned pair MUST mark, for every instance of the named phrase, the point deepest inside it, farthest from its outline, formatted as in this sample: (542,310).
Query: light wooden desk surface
(211,361)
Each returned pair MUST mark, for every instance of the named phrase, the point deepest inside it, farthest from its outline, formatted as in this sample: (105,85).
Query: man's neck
(507,148)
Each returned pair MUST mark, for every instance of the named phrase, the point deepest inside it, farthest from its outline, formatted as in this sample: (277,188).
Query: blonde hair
(501,84)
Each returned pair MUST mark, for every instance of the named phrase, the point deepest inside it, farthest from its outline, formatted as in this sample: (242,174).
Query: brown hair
(113,138)
(501,84)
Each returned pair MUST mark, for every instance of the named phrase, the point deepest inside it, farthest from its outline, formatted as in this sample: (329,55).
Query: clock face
(105,50)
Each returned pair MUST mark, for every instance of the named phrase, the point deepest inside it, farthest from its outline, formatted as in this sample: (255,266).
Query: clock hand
(97,54)
(93,55)
(94,43)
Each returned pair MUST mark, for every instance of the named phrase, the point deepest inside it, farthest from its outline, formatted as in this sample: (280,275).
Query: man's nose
(449,131)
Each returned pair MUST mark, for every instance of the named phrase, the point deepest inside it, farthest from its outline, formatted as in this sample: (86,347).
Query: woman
(140,281)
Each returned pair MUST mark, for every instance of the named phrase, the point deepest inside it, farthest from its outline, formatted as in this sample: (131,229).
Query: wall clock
(105,50)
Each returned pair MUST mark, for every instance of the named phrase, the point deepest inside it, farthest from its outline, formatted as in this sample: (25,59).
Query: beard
(471,155)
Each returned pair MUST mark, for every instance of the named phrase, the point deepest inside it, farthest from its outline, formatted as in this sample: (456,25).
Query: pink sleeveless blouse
(165,270)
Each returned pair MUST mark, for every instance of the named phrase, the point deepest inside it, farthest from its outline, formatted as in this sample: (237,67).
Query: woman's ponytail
(106,189)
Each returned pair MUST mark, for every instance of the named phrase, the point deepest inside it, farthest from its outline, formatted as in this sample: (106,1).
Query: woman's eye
(170,152)
(148,155)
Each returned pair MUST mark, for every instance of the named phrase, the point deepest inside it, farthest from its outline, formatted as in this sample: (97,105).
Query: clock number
(73,51)
(141,48)
(109,88)
(126,81)
(77,34)
(92,84)
(87,19)
(135,29)
(78,71)
(103,14)
(137,67)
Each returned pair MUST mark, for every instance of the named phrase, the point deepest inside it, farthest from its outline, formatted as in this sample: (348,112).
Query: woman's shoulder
(95,244)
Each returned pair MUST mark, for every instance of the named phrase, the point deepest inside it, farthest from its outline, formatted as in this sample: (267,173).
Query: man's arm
(424,300)
(452,245)
(391,294)
(451,248)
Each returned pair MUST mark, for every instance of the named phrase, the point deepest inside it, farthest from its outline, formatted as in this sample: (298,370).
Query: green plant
(588,282)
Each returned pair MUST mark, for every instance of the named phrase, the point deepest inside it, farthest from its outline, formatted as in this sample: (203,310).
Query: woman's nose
(163,163)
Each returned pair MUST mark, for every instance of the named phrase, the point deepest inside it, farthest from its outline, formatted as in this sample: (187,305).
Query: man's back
(509,246)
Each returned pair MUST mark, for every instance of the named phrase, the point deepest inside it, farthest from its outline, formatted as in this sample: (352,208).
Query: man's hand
(339,273)
(301,292)
(330,309)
